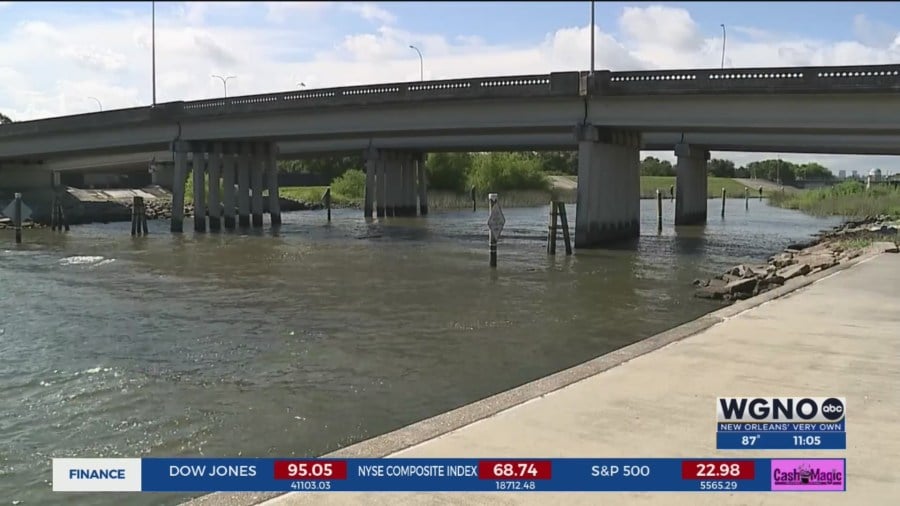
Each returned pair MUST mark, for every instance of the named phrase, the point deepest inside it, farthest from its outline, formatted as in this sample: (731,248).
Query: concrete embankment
(104,206)
(830,334)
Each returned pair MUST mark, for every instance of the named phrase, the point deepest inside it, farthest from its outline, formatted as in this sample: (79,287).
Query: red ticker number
(514,470)
(717,469)
(310,470)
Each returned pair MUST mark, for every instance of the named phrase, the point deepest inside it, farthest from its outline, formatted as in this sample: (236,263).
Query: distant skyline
(55,56)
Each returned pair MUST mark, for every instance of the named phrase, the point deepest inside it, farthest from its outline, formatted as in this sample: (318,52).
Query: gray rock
(782,260)
(741,286)
(886,247)
(792,271)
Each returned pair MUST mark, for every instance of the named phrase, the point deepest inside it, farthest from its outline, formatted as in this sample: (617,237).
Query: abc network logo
(781,409)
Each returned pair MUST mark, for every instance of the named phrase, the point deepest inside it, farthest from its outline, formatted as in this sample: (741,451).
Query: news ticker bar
(447,475)
(781,440)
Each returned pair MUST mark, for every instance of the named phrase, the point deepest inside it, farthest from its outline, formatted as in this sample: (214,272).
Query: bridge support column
(179,179)
(229,167)
(408,185)
(199,168)
(370,157)
(380,184)
(608,206)
(272,183)
(423,184)
(243,173)
(256,184)
(690,185)
(392,169)
(215,205)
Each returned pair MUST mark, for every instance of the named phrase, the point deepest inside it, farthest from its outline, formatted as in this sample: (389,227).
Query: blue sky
(53,56)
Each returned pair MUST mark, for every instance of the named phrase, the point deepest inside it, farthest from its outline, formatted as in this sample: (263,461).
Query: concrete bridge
(609,117)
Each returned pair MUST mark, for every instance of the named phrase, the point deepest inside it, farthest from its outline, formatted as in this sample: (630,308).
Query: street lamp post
(421,63)
(98,102)
(224,82)
(302,85)
(723,45)
(592,38)
(153,48)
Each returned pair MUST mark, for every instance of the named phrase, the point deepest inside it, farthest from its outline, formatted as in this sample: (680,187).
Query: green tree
(773,170)
(447,171)
(4,119)
(495,172)
(329,167)
(652,166)
(813,170)
(559,162)
(742,171)
(720,168)
(350,184)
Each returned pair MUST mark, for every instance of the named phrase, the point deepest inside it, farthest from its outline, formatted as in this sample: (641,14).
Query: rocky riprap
(825,251)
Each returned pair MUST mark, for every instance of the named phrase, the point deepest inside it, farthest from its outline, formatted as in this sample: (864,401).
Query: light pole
(421,63)
(723,45)
(224,82)
(592,38)
(153,47)
(98,102)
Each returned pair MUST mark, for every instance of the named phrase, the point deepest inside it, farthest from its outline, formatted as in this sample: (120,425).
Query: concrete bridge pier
(408,186)
(393,172)
(215,171)
(178,186)
(690,184)
(609,186)
(403,185)
(243,174)
(229,168)
(199,169)
(371,159)
(423,184)
(257,162)
(272,184)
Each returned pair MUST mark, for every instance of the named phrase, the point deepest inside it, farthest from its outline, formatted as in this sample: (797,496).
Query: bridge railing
(487,87)
(874,78)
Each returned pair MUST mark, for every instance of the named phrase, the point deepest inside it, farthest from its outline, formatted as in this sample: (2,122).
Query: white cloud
(48,68)
(370,11)
(4,4)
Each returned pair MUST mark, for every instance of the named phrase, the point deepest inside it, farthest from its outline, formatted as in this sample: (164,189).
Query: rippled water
(297,344)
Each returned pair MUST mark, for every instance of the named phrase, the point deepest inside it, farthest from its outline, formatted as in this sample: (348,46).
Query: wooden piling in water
(17,217)
(53,218)
(746,198)
(472,192)
(723,202)
(551,229)
(659,199)
(564,222)
(138,217)
(327,198)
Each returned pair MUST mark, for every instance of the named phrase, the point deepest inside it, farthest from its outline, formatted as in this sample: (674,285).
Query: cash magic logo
(809,474)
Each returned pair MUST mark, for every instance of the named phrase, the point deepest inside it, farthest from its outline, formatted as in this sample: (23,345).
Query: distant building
(875,174)
(842,174)
(855,174)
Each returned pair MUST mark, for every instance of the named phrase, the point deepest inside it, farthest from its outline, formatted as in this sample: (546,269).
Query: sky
(55,56)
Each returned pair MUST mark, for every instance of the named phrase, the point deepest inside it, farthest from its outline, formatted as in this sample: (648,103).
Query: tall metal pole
(421,63)
(592,38)
(224,82)
(153,44)
(723,45)
(98,102)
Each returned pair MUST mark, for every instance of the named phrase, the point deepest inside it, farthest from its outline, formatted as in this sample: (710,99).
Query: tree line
(772,170)
(528,170)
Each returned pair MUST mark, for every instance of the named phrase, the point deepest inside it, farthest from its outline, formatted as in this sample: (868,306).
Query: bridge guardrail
(486,87)
(772,80)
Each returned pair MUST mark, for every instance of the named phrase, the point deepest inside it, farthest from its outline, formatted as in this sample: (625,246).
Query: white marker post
(495,224)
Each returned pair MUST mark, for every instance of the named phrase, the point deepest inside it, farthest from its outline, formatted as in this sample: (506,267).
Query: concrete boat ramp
(836,333)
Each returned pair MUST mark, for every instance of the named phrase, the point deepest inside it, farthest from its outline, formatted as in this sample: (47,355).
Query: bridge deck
(838,336)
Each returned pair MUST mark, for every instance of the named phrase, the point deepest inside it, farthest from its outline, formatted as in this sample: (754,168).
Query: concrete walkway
(839,336)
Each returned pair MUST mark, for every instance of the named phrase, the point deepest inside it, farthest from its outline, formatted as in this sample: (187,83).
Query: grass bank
(714,185)
(850,199)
